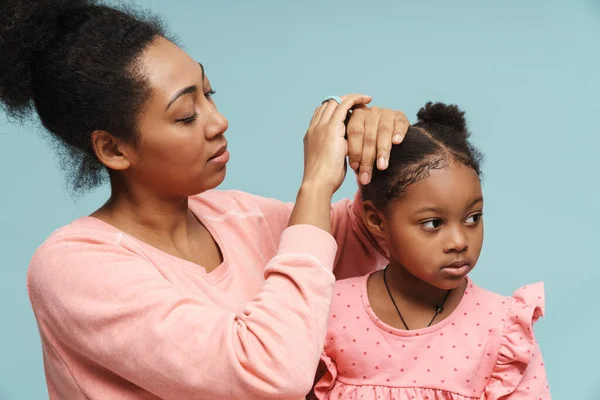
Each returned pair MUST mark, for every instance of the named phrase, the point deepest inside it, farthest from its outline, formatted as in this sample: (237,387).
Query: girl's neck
(402,284)
(416,300)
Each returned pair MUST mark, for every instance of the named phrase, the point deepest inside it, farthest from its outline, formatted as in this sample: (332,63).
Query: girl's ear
(373,220)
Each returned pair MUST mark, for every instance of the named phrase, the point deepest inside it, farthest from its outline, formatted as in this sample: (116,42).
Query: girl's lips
(457,269)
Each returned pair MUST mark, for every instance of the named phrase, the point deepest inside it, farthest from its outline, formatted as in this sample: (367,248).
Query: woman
(171,290)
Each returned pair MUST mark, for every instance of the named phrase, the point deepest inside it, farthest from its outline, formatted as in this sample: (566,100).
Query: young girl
(420,328)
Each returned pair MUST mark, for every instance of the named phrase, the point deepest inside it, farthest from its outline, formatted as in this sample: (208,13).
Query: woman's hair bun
(27,27)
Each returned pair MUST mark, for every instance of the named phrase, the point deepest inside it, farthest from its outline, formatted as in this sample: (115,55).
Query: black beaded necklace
(438,308)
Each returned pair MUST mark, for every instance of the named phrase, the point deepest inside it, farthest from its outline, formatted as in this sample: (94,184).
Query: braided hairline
(422,170)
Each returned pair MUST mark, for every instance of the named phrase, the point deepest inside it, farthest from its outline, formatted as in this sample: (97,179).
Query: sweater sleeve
(112,308)
(358,252)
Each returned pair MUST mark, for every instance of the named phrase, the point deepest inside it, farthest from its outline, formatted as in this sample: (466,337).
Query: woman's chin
(210,182)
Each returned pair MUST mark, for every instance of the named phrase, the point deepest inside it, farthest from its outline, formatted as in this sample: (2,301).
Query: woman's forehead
(170,69)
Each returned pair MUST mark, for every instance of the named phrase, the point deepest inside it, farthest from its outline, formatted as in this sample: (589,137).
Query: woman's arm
(358,252)
(99,302)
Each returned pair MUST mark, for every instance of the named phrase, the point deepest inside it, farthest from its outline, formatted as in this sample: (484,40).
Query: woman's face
(181,149)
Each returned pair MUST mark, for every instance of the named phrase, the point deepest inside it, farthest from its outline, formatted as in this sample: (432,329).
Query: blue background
(526,72)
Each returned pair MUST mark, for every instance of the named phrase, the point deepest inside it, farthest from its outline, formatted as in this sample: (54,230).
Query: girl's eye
(432,224)
(209,93)
(475,218)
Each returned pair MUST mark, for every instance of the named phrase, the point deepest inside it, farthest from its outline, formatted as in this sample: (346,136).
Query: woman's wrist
(313,206)
(316,190)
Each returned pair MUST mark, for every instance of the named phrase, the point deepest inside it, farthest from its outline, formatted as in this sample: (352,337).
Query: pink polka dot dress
(484,350)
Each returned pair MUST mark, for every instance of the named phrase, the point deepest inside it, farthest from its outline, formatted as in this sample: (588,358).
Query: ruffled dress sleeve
(327,382)
(519,372)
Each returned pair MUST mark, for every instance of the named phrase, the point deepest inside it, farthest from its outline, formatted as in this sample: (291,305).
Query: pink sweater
(120,319)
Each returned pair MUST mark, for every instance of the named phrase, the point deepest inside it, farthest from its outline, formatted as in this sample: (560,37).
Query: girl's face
(435,230)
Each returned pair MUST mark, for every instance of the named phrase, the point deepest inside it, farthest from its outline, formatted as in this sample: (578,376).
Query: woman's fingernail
(397,138)
(381,163)
(364,178)
(354,165)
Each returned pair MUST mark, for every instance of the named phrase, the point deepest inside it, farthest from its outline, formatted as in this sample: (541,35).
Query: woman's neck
(137,210)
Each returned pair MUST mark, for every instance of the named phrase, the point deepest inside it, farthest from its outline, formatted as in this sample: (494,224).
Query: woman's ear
(112,152)
(373,220)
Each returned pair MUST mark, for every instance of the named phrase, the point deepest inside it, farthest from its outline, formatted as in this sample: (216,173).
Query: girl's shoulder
(348,293)
(506,319)
(529,299)
(349,306)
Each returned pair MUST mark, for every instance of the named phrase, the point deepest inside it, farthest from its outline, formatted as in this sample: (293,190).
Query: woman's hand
(371,133)
(325,147)
(325,150)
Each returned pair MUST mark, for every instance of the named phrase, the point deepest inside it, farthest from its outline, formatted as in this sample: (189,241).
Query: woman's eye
(432,224)
(188,120)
